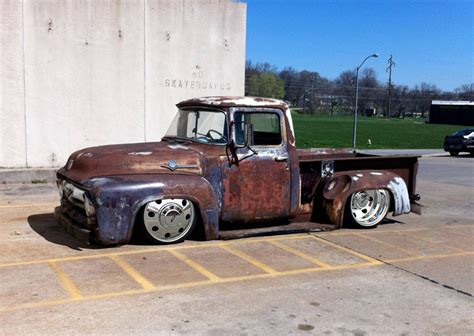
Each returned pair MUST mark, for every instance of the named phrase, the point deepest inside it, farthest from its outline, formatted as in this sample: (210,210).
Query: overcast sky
(431,41)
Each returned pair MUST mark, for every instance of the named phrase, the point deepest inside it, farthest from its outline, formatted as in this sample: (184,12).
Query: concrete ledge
(27,175)
(421,152)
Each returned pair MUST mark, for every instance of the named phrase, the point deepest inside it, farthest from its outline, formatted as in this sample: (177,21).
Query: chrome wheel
(169,220)
(369,207)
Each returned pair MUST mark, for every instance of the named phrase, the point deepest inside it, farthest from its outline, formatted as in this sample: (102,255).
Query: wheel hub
(168,220)
(369,207)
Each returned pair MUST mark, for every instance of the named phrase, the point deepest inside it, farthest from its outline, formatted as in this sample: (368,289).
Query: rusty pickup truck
(227,167)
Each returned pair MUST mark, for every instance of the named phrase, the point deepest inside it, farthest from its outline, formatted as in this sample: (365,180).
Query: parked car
(460,141)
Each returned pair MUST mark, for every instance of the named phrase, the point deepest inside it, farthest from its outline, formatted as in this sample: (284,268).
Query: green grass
(325,131)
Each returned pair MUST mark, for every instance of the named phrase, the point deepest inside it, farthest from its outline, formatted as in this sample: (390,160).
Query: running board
(275,230)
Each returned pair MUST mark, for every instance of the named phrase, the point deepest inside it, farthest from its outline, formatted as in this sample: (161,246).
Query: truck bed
(405,166)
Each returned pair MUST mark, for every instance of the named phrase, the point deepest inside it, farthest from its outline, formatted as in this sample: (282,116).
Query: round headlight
(60,185)
(88,206)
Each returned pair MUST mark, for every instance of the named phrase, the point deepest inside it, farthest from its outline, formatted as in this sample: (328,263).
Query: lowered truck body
(228,167)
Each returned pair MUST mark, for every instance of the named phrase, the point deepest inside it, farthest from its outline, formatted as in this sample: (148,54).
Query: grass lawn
(325,131)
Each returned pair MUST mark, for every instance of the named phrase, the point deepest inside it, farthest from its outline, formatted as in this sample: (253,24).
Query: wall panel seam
(24,80)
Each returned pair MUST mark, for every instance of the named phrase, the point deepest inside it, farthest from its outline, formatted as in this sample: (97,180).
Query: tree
(292,86)
(465,92)
(266,85)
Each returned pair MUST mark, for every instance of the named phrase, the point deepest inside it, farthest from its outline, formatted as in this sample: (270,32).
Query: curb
(28,175)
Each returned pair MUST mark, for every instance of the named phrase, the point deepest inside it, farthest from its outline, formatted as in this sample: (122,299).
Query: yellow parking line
(342,248)
(39,304)
(434,256)
(28,205)
(300,254)
(388,244)
(345,233)
(66,281)
(211,276)
(150,250)
(461,226)
(139,278)
(229,280)
(434,243)
(250,259)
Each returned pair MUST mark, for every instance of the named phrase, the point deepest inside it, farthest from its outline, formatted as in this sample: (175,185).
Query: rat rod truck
(228,167)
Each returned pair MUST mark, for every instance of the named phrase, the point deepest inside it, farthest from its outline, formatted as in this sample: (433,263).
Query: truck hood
(139,158)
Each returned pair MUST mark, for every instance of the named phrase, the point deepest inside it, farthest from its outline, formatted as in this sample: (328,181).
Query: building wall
(452,114)
(79,73)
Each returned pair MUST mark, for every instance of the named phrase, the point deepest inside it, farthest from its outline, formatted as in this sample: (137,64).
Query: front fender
(119,198)
(339,187)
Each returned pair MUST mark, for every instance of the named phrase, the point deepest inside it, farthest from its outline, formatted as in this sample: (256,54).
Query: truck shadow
(46,226)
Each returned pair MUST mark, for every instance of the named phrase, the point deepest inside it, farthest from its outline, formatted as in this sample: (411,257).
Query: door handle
(281,158)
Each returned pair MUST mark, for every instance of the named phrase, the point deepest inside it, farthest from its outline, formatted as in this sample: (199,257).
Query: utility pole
(389,69)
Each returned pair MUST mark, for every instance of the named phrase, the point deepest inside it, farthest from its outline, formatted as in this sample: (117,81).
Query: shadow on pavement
(47,226)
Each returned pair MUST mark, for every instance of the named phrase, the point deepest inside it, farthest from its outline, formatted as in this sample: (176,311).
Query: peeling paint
(140,153)
(400,194)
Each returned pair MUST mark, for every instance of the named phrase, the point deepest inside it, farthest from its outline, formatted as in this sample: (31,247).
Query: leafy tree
(266,85)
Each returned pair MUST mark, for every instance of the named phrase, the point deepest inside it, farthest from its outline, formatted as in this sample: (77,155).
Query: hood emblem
(173,165)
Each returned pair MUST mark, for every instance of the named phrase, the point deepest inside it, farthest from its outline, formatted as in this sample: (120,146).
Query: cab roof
(231,101)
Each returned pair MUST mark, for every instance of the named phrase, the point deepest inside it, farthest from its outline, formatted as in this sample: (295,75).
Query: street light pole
(357,100)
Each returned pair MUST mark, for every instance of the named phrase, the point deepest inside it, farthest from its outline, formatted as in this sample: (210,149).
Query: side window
(266,128)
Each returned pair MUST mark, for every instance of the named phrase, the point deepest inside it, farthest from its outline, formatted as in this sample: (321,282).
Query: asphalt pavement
(410,276)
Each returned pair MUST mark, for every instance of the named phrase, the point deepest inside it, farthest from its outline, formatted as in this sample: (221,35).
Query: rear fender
(340,186)
(118,200)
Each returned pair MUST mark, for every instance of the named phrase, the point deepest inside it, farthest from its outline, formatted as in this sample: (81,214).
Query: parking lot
(412,275)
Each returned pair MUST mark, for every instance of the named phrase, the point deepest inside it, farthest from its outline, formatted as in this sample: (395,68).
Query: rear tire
(453,153)
(367,208)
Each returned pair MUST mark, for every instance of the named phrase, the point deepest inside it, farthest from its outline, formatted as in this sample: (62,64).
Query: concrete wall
(81,73)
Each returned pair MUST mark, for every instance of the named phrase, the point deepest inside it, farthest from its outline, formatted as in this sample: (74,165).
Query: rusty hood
(139,158)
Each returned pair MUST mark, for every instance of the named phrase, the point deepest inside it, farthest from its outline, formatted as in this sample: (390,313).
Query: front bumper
(75,215)
(72,228)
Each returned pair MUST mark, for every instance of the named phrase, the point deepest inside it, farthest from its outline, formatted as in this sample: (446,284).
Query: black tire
(453,153)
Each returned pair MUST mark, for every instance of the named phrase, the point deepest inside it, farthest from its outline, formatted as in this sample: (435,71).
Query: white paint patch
(355,178)
(100,181)
(400,194)
(376,173)
(242,101)
(140,153)
(177,147)
(360,175)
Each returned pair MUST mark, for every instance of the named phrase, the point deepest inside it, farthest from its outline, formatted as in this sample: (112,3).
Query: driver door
(259,186)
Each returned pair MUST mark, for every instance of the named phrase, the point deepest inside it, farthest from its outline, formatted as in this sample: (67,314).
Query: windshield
(199,125)
(463,132)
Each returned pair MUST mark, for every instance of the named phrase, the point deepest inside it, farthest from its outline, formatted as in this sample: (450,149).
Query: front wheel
(168,221)
(369,207)
(453,153)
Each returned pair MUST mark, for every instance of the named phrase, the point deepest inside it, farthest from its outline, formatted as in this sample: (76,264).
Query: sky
(431,41)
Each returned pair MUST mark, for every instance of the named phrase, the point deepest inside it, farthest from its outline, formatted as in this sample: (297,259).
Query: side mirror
(242,134)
